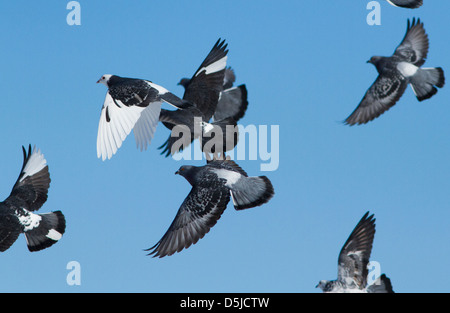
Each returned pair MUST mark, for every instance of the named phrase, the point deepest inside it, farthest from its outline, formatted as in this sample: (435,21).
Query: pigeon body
(204,91)
(212,187)
(189,124)
(352,263)
(396,72)
(29,194)
(409,4)
(232,102)
(130,103)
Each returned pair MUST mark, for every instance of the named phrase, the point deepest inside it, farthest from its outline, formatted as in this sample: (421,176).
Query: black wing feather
(200,211)
(203,89)
(30,192)
(414,46)
(380,97)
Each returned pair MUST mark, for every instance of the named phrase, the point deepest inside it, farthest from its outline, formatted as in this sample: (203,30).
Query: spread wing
(205,86)
(355,254)
(117,120)
(380,97)
(145,127)
(199,212)
(31,188)
(414,47)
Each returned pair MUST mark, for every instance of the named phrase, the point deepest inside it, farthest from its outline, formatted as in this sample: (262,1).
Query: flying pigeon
(212,187)
(232,100)
(396,72)
(29,194)
(188,124)
(130,103)
(410,4)
(203,90)
(352,263)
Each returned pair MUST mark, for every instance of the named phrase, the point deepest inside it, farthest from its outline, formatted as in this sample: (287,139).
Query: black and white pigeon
(203,90)
(130,103)
(396,72)
(29,194)
(409,4)
(212,187)
(352,263)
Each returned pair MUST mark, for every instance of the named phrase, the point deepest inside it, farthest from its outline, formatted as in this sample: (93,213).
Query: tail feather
(233,103)
(51,228)
(250,192)
(425,81)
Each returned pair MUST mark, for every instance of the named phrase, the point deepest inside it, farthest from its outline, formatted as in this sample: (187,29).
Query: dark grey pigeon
(130,103)
(29,194)
(352,263)
(233,101)
(203,91)
(396,72)
(409,4)
(212,187)
(188,124)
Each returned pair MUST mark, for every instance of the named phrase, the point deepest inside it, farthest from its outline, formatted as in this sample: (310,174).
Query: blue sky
(304,64)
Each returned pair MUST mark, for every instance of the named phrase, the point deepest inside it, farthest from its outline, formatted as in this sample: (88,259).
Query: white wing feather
(145,127)
(111,134)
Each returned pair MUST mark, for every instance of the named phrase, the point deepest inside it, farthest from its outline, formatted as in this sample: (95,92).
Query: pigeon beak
(368,61)
(177,172)
(98,81)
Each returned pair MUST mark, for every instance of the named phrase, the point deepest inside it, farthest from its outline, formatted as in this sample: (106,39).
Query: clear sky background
(304,64)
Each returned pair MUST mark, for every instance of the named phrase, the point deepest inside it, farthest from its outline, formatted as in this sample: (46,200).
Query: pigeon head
(189,172)
(379,62)
(184,82)
(374,60)
(325,285)
(104,79)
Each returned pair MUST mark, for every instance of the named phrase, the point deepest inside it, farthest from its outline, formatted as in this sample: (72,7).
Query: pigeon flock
(136,104)
(209,112)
